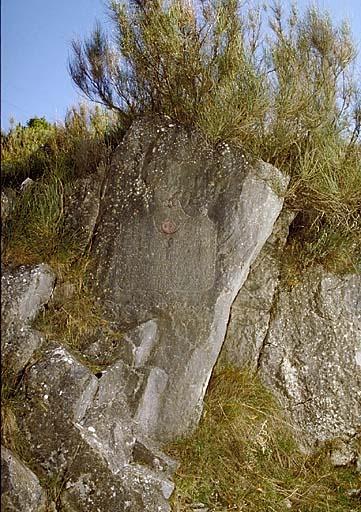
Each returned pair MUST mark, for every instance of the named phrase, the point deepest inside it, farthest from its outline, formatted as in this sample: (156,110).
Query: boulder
(20,488)
(180,224)
(82,203)
(24,291)
(311,358)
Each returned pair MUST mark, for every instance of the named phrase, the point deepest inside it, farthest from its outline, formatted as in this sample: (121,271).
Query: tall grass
(244,457)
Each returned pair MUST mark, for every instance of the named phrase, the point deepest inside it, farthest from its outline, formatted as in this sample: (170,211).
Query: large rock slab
(180,224)
(312,359)
(20,488)
(79,430)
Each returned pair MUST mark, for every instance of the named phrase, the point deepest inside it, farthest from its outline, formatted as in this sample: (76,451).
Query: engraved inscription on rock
(168,251)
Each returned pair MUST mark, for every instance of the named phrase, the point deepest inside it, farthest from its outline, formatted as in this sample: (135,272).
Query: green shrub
(25,151)
(69,150)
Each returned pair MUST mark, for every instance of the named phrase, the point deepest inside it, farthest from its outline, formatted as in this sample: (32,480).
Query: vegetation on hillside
(280,84)
(52,156)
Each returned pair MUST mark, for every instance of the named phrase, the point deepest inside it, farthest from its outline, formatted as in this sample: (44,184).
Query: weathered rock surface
(82,205)
(179,227)
(251,310)
(80,431)
(24,291)
(306,344)
(174,230)
(20,488)
(312,358)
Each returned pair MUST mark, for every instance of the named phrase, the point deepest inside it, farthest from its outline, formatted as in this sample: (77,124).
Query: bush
(288,95)
(25,151)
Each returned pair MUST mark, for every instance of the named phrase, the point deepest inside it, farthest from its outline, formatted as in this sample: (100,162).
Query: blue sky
(36,39)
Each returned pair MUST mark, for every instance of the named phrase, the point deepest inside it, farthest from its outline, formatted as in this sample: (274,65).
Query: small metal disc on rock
(168,227)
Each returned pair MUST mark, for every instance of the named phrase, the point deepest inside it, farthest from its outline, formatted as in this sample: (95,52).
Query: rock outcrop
(305,343)
(251,310)
(179,227)
(312,359)
(173,229)
(79,430)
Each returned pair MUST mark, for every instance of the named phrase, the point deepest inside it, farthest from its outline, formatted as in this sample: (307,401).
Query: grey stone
(143,481)
(251,310)
(26,184)
(151,400)
(178,229)
(310,358)
(18,344)
(82,203)
(64,397)
(24,292)
(318,320)
(145,451)
(134,346)
(103,345)
(20,488)
(122,378)
(143,340)
(79,428)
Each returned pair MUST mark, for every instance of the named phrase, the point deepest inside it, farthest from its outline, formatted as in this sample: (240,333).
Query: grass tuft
(75,317)
(11,397)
